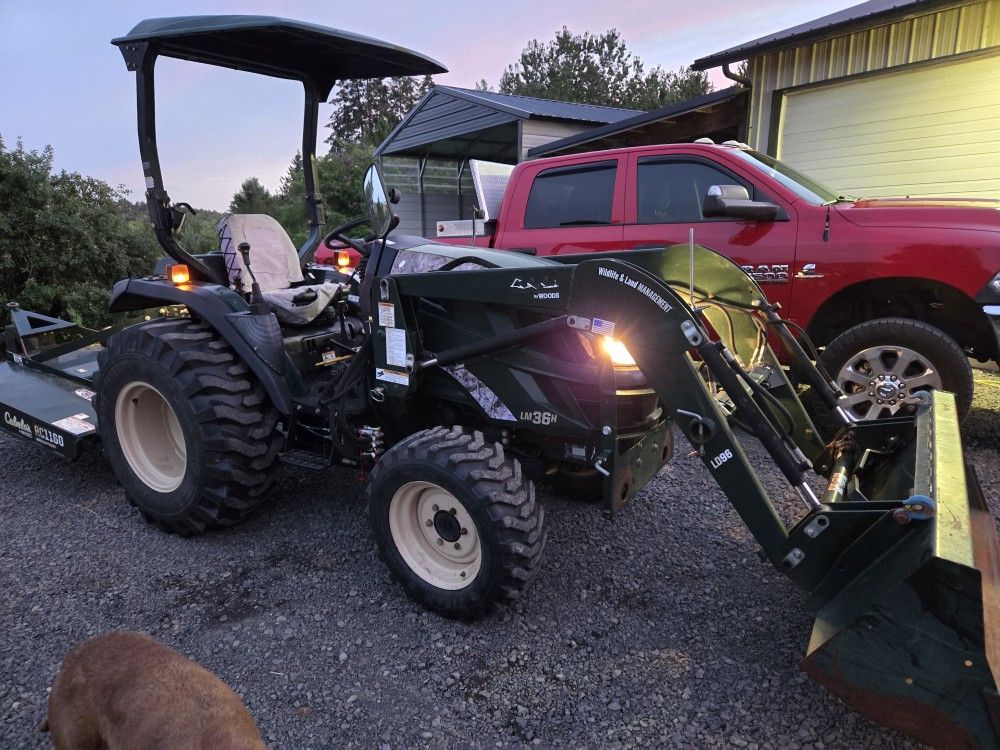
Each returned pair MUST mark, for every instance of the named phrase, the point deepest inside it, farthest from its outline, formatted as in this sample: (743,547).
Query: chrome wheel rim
(150,437)
(879,380)
(435,535)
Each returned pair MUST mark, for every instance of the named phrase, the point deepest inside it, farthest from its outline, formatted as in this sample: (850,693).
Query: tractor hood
(417,254)
(953,213)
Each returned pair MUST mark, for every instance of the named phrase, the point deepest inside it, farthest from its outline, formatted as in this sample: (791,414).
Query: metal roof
(856,15)
(529,106)
(638,121)
(451,122)
(278,47)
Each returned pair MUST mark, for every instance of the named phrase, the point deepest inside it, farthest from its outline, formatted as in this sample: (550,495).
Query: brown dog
(126,690)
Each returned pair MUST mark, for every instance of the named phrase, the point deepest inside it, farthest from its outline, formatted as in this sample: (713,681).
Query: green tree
(597,69)
(661,87)
(199,233)
(369,109)
(252,198)
(65,238)
(340,173)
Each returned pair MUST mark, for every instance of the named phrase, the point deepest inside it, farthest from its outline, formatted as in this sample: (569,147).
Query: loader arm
(900,556)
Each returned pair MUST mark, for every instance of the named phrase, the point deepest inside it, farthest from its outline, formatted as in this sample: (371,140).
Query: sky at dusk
(63,84)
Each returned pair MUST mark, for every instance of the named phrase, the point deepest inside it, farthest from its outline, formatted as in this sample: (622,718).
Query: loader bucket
(914,641)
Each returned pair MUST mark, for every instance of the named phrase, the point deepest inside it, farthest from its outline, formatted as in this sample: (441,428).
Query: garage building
(884,98)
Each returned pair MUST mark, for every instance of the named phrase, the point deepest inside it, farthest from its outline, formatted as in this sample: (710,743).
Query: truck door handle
(522,250)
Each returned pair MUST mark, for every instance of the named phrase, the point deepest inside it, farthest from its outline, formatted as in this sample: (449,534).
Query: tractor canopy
(278,47)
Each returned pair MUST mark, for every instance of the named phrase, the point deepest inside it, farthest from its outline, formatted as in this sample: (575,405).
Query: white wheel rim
(150,436)
(878,379)
(435,535)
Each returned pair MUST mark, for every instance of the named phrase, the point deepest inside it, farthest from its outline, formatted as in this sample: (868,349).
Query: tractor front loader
(454,378)
(898,554)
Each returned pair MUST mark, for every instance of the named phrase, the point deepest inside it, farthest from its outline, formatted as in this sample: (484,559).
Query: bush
(65,238)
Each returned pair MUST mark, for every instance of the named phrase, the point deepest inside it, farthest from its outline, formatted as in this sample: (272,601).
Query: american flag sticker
(603,327)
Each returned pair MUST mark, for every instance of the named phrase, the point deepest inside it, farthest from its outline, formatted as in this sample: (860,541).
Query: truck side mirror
(733,201)
(378,200)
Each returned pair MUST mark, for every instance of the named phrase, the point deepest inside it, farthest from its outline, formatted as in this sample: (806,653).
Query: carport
(719,115)
(426,156)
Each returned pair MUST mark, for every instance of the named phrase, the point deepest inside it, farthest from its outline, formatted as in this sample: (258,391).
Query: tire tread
(233,414)
(509,501)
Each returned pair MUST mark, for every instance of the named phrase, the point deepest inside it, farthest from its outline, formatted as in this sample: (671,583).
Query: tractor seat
(275,263)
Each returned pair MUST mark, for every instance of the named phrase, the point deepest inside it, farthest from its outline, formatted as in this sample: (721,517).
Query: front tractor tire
(186,427)
(455,522)
(880,362)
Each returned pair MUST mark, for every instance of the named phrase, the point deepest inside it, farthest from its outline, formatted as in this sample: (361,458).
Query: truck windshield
(798,183)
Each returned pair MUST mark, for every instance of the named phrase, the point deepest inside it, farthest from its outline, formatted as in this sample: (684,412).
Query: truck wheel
(187,429)
(455,522)
(879,362)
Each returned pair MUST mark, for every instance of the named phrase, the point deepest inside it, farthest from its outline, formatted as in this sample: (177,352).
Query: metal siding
(419,213)
(924,131)
(854,16)
(408,211)
(948,31)
(536,133)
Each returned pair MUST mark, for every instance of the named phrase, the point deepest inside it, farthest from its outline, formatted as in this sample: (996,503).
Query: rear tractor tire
(880,362)
(455,522)
(186,427)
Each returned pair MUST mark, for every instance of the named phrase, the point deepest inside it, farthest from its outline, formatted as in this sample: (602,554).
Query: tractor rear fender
(255,338)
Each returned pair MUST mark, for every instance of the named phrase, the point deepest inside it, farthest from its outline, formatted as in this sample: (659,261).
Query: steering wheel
(340,234)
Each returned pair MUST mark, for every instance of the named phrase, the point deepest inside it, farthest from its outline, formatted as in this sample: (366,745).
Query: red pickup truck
(899,291)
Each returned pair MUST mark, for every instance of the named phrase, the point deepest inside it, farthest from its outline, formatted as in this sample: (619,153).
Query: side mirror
(377,201)
(733,201)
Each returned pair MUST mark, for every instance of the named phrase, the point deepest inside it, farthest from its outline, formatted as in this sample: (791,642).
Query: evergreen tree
(252,198)
(597,69)
(369,109)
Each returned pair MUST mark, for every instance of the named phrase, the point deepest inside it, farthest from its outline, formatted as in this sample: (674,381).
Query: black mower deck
(50,410)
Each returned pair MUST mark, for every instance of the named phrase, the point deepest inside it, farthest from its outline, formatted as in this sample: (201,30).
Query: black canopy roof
(278,47)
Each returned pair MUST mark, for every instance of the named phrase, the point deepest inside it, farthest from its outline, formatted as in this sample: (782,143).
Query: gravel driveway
(659,628)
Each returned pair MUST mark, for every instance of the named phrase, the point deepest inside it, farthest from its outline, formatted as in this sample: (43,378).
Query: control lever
(257,304)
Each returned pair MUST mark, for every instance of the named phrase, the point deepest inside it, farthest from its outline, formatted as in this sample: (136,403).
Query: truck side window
(572,196)
(671,192)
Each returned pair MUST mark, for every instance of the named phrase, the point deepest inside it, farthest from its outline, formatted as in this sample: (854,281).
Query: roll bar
(314,55)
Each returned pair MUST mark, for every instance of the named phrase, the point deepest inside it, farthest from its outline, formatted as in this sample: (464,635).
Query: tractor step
(47,409)
(305,460)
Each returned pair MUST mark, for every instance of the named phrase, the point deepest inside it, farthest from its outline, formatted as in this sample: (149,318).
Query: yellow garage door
(930,131)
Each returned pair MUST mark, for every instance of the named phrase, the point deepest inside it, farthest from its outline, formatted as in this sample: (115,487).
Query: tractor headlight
(616,350)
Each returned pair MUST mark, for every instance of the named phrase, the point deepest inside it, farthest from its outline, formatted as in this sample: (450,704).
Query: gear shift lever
(257,304)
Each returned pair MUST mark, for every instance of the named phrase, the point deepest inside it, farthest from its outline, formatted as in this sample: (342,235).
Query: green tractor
(458,377)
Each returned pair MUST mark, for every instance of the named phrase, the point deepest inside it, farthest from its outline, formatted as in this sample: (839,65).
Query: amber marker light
(179,274)
(343,259)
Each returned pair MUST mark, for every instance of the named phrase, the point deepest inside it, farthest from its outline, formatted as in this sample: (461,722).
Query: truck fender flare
(254,340)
